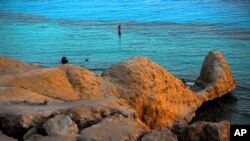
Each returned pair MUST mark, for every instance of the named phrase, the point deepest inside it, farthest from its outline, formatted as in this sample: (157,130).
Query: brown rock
(37,137)
(159,98)
(65,83)
(114,129)
(60,125)
(215,77)
(87,83)
(10,66)
(17,118)
(162,135)
(51,82)
(94,111)
(203,131)
(18,95)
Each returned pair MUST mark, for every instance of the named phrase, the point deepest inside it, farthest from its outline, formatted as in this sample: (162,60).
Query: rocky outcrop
(215,77)
(160,99)
(124,103)
(17,118)
(60,125)
(116,128)
(203,131)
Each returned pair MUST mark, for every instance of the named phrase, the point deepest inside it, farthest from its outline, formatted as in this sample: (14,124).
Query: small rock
(60,125)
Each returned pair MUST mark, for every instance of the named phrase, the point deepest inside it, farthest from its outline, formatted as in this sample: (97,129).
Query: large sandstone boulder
(203,131)
(60,125)
(159,98)
(64,82)
(116,128)
(215,77)
(87,83)
(51,82)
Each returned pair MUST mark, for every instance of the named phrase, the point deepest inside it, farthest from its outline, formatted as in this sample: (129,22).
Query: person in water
(64,60)
(119,30)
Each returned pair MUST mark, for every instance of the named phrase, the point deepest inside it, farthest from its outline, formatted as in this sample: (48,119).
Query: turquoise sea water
(175,34)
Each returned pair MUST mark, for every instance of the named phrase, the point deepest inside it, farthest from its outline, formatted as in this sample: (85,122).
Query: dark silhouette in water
(86,60)
(64,60)
(119,30)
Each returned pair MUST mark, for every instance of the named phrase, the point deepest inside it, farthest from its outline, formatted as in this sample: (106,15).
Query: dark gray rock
(203,131)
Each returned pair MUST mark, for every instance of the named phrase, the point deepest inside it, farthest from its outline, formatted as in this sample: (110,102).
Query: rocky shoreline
(135,100)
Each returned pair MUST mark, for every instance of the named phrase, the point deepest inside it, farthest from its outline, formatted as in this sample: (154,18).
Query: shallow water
(175,34)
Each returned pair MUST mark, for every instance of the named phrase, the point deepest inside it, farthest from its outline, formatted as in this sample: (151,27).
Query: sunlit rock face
(10,66)
(159,98)
(215,77)
(66,82)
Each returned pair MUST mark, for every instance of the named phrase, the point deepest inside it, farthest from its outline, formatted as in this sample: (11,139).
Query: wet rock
(38,137)
(203,131)
(160,99)
(4,137)
(115,128)
(60,125)
(215,77)
(161,135)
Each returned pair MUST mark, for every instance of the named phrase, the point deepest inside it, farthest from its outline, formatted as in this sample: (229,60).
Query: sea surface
(176,34)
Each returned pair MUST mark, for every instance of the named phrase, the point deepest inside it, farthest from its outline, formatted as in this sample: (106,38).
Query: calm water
(175,34)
